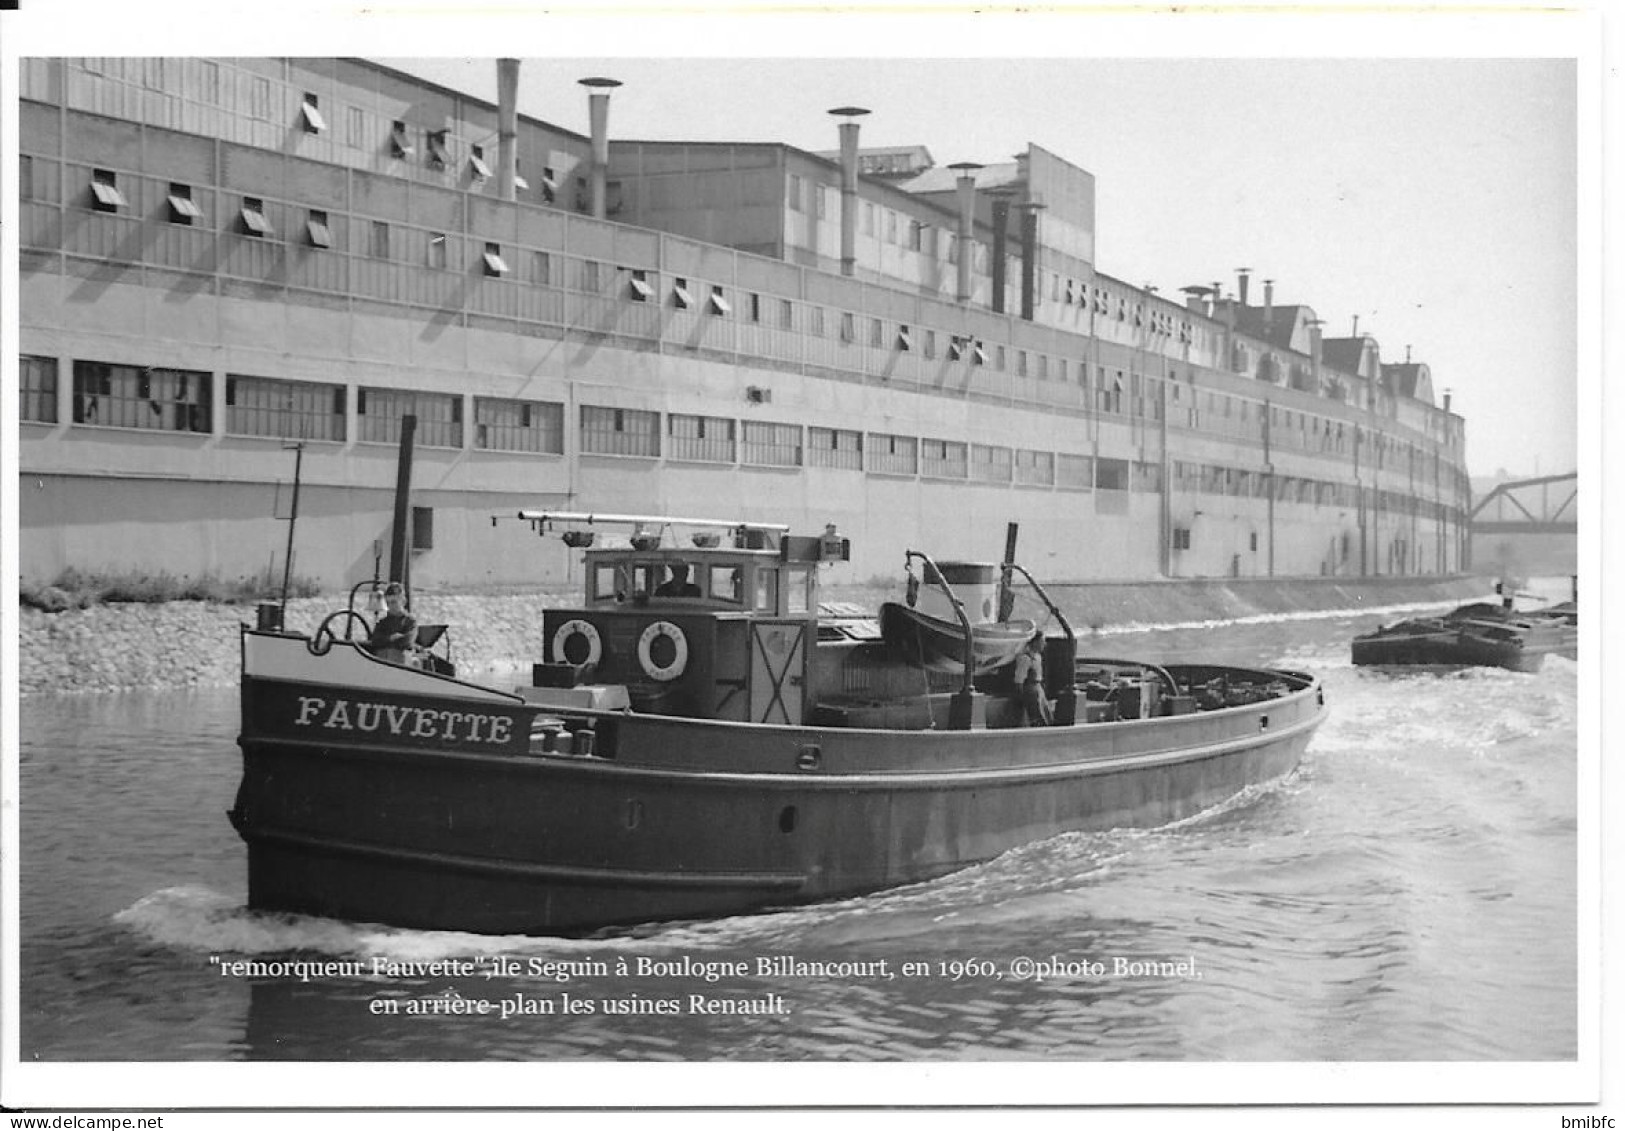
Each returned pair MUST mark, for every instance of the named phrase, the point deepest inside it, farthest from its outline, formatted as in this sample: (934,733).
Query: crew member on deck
(678,584)
(1030,680)
(395,635)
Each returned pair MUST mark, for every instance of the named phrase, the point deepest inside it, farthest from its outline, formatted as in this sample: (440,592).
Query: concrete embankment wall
(189,644)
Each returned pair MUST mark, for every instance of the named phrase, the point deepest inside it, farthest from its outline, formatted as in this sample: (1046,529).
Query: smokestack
(1241,283)
(1029,257)
(507,126)
(966,235)
(1314,350)
(1213,308)
(1269,302)
(1355,333)
(1193,299)
(1001,221)
(1447,400)
(598,114)
(849,116)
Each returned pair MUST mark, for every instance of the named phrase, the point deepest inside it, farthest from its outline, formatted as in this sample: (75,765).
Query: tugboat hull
(458,809)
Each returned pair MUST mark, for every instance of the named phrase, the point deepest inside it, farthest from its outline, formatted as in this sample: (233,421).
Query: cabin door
(778,671)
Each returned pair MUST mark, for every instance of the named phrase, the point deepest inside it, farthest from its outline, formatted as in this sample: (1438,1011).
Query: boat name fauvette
(414,722)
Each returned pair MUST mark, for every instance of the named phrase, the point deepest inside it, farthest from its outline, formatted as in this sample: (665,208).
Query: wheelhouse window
(439,416)
(518,426)
(289,410)
(726,583)
(129,396)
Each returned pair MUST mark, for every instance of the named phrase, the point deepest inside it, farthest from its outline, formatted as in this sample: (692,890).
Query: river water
(1408,894)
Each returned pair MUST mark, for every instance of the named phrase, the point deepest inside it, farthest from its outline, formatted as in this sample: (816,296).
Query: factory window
(787,314)
(182,209)
(877,332)
(288,410)
(815,325)
(253,217)
(439,416)
(1043,368)
(795,193)
(929,343)
(477,165)
(1021,363)
(379,248)
(1035,468)
(914,235)
(719,304)
(36,384)
(893,455)
(589,276)
(541,268)
(868,219)
(311,116)
(944,459)
(640,290)
(620,431)
(519,182)
(550,185)
(439,149)
(355,127)
(25,176)
(999,359)
(316,228)
(1182,538)
(756,308)
(904,342)
(1111,474)
(835,447)
(209,93)
(400,141)
(891,226)
(437,249)
(518,426)
(495,265)
(956,347)
(129,396)
(849,331)
(707,439)
(104,187)
(1075,472)
(822,201)
(770,445)
(991,464)
(259,99)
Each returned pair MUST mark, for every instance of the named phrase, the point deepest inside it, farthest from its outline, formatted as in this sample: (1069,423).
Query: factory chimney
(966,236)
(598,115)
(1001,224)
(1241,284)
(1269,303)
(1029,256)
(507,126)
(849,116)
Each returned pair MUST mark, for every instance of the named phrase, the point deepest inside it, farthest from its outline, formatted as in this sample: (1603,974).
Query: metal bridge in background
(1525,506)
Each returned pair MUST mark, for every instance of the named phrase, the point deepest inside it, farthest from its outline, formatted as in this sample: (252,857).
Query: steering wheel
(324,636)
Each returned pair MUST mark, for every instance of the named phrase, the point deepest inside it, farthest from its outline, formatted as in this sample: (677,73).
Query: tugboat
(703,737)
(1480,634)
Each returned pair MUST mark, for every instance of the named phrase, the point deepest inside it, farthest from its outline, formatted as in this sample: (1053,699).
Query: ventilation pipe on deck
(849,116)
(966,236)
(598,91)
(507,126)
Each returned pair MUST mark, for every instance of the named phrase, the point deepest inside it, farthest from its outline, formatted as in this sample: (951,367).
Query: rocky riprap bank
(191,644)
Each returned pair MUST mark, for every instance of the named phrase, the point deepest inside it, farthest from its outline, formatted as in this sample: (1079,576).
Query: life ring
(679,660)
(566,635)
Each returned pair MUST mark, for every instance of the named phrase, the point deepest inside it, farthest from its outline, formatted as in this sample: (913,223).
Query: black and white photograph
(752,561)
